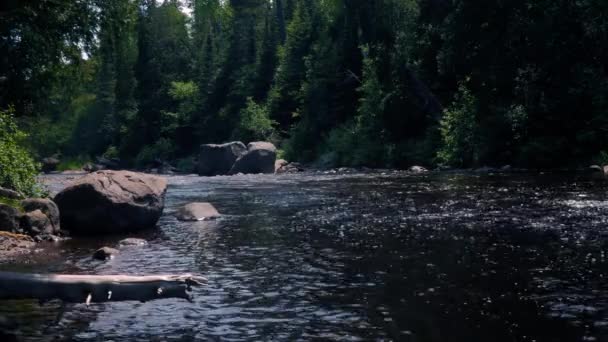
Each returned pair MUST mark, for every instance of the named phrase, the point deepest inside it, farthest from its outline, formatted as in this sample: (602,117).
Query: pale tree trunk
(96,288)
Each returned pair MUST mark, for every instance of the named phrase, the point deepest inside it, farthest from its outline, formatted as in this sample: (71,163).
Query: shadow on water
(378,256)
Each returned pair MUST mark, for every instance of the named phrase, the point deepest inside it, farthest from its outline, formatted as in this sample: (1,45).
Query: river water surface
(384,256)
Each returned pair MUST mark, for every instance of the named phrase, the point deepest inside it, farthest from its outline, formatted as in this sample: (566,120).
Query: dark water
(382,256)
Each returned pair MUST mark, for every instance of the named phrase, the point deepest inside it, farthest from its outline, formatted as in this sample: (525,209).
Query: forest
(384,83)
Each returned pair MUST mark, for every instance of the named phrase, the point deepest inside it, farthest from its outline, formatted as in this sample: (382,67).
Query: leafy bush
(73,163)
(186,165)
(458,129)
(163,149)
(18,170)
(111,152)
(255,123)
(362,141)
(602,158)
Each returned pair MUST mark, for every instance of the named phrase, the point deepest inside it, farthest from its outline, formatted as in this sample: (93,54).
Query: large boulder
(260,158)
(48,208)
(218,159)
(197,212)
(9,218)
(112,202)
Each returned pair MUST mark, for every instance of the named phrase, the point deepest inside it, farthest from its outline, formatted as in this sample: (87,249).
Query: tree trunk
(96,288)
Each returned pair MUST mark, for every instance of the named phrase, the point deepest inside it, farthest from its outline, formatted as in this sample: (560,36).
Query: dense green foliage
(342,82)
(17,169)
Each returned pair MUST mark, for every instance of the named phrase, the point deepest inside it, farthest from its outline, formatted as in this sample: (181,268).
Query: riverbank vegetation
(386,83)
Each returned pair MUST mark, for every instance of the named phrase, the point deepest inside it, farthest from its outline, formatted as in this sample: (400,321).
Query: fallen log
(96,288)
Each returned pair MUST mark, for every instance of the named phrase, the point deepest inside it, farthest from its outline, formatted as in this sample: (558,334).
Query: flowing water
(385,256)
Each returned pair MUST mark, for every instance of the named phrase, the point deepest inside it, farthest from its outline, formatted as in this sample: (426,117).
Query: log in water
(96,288)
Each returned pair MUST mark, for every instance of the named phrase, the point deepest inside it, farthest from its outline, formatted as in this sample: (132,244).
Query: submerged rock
(418,169)
(197,212)
(217,160)
(132,242)
(105,253)
(259,158)
(112,202)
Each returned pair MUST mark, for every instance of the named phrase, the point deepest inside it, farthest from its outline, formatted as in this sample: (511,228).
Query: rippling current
(385,256)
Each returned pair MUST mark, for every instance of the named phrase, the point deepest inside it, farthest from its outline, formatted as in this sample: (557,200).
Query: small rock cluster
(107,253)
(283,166)
(35,217)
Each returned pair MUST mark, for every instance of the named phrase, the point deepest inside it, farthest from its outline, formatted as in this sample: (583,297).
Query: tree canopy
(341,82)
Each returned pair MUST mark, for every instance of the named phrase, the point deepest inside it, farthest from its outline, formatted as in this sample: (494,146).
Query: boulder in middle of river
(217,160)
(197,212)
(260,158)
(112,202)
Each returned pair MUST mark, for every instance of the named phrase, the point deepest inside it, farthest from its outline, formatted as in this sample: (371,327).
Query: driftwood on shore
(96,288)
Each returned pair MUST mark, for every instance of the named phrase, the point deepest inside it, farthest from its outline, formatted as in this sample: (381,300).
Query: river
(384,256)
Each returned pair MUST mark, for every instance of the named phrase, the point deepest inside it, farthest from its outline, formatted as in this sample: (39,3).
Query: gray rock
(259,158)
(48,207)
(112,202)
(108,163)
(132,242)
(279,164)
(90,167)
(35,223)
(418,169)
(9,218)
(197,212)
(48,238)
(218,159)
(105,253)
(11,194)
(596,168)
(50,164)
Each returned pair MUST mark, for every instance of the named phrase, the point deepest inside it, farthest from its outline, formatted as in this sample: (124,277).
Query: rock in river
(105,253)
(197,212)
(48,208)
(9,218)
(260,158)
(36,223)
(112,202)
(218,159)
(132,242)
